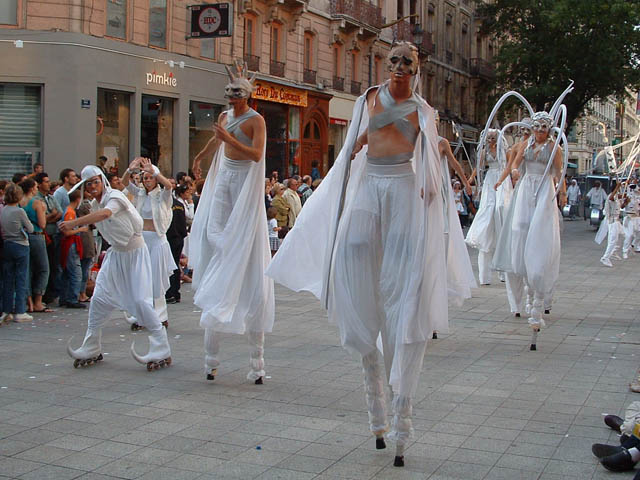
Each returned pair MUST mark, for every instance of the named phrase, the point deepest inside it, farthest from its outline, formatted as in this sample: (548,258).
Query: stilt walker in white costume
(529,243)
(611,227)
(372,235)
(229,243)
(125,279)
(487,222)
(632,221)
(153,201)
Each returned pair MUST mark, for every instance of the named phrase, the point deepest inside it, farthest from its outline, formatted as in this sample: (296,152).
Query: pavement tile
(52,472)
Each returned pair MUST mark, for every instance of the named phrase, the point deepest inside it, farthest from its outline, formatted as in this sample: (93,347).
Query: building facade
(121,78)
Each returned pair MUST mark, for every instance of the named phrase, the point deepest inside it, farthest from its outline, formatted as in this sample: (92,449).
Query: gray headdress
(240,85)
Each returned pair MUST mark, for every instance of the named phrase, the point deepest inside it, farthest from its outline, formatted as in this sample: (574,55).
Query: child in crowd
(274,241)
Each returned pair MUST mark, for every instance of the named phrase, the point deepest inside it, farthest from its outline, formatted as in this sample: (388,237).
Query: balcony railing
(360,10)
(338,83)
(309,76)
(356,88)
(480,68)
(449,56)
(464,63)
(405,31)
(276,68)
(253,62)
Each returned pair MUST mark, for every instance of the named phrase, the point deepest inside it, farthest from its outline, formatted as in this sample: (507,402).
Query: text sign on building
(280,94)
(213,20)
(163,79)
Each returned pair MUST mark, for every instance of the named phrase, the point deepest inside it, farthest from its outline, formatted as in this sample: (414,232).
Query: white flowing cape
(317,231)
(228,266)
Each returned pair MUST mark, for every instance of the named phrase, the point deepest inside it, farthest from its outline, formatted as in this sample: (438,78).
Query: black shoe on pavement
(62,303)
(614,422)
(618,462)
(172,300)
(75,305)
(602,450)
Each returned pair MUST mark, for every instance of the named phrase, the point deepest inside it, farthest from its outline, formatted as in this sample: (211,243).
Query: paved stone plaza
(486,408)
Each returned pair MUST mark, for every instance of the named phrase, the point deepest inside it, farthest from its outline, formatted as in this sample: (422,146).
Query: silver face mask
(403,59)
(541,122)
(239,86)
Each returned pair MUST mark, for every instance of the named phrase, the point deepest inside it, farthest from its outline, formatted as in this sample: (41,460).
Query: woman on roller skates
(125,279)
(154,206)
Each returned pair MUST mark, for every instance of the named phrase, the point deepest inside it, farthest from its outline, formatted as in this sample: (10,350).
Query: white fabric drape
(229,249)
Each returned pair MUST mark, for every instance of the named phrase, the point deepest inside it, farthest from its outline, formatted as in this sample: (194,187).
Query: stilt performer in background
(229,242)
(372,239)
(529,243)
(125,281)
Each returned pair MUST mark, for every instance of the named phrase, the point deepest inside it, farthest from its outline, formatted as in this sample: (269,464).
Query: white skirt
(162,264)
(487,222)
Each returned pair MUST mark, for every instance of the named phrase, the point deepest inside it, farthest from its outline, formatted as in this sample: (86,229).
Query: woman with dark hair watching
(15,262)
(38,259)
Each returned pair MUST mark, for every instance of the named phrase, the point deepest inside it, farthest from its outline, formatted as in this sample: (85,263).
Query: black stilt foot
(533,347)
(135,327)
(165,324)
(398,461)
(212,374)
(380,444)
(517,315)
(259,381)
(547,312)
(435,335)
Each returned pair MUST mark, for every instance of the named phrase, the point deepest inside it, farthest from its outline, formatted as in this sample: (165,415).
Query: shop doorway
(311,146)
(156,137)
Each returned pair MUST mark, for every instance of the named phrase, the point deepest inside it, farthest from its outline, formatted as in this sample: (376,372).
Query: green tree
(546,43)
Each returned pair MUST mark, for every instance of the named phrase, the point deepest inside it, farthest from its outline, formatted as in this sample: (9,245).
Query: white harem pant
(371,270)
(631,234)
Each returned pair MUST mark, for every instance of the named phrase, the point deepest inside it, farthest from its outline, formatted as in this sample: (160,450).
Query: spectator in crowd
(53,186)
(175,236)
(38,261)
(316,183)
(88,250)
(305,190)
(102,164)
(267,193)
(292,198)
(15,226)
(275,177)
(53,213)
(315,173)
(115,181)
(174,184)
(70,255)
(186,200)
(573,197)
(37,168)
(597,196)
(68,178)
(274,240)
(280,204)
(17,178)
(3,185)
(461,204)
(196,196)
(180,176)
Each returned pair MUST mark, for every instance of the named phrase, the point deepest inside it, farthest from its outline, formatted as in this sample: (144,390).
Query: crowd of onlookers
(43,268)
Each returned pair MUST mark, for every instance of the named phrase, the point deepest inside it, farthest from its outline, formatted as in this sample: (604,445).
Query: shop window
(158,23)
(355,71)
(276,42)
(295,153)
(9,12)
(208,48)
(156,136)
(21,132)
(277,149)
(112,128)
(250,25)
(117,18)
(202,117)
(308,51)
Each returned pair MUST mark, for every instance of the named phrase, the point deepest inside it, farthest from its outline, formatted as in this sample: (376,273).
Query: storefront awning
(571,165)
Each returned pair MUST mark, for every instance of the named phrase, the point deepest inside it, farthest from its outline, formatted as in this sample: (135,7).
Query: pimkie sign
(167,80)
(272,92)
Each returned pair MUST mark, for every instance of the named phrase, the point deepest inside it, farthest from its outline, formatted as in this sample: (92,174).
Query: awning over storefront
(341,108)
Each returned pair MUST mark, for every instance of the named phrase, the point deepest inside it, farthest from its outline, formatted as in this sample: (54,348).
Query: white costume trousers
(370,272)
(256,352)
(613,235)
(631,234)
(124,282)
